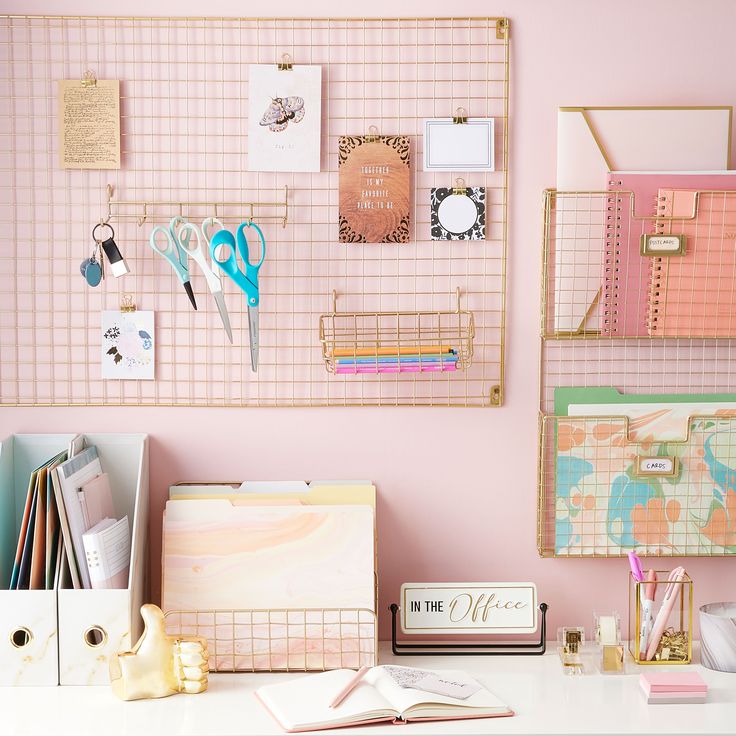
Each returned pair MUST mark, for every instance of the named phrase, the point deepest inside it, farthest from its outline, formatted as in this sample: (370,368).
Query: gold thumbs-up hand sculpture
(159,665)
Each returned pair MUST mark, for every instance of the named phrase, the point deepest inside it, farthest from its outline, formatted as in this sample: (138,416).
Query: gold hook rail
(140,210)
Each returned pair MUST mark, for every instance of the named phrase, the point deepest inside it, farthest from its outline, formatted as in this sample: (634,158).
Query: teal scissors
(246,280)
(174,254)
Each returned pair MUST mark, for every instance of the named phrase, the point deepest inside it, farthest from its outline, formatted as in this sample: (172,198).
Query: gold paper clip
(372,135)
(285,65)
(460,187)
(89,79)
(126,303)
(461,116)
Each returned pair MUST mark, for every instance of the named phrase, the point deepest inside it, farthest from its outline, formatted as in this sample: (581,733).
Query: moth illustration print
(282,111)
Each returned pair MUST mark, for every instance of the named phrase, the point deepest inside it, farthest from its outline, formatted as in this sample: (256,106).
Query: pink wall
(457,487)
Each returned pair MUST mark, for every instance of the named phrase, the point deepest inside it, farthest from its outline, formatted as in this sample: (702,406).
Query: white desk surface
(545,701)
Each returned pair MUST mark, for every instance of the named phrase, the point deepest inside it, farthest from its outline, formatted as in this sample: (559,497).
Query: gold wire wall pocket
(608,485)
(358,343)
(282,640)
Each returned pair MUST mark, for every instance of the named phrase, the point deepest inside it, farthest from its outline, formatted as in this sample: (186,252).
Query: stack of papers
(674,687)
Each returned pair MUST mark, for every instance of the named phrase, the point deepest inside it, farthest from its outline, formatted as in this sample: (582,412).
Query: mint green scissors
(246,280)
(174,254)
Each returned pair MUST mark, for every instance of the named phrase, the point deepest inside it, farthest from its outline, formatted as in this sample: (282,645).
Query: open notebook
(304,704)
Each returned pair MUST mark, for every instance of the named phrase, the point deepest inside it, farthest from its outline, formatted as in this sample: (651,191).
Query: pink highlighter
(660,623)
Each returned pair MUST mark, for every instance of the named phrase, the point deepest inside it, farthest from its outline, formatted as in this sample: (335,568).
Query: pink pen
(670,595)
(349,687)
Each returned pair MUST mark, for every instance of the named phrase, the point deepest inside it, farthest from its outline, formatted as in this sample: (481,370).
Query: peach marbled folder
(250,571)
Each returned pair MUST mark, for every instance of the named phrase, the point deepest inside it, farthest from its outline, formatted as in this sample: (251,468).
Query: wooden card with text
(375,186)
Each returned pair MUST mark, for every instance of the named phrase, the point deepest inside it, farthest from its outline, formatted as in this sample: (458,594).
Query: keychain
(91,268)
(118,266)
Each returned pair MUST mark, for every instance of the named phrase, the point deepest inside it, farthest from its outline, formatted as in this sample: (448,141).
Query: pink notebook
(695,295)
(627,274)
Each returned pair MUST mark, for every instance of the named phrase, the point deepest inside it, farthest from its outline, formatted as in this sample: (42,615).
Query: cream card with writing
(89,124)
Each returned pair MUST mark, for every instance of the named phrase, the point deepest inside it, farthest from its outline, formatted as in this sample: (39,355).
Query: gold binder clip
(127,304)
(372,135)
(285,65)
(89,79)
(460,187)
(461,116)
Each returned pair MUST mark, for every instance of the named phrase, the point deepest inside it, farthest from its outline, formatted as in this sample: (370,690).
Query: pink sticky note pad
(659,682)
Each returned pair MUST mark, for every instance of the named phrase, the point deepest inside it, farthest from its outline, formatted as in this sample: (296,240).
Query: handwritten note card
(374,189)
(89,124)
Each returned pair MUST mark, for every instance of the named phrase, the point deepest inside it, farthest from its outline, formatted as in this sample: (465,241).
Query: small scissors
(193,248)
(174,254)
(247,281)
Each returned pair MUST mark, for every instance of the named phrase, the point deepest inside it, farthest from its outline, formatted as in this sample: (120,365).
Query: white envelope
(591,141)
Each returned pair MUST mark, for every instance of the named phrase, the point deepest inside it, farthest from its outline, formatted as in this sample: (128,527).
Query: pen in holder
(661,617)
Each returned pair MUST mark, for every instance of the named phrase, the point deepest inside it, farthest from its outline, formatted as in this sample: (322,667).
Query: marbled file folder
(222,557)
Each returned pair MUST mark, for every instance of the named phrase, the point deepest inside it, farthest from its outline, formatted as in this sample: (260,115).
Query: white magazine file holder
(92,624)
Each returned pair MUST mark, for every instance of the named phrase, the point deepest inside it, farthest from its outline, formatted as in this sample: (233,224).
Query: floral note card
(128,345)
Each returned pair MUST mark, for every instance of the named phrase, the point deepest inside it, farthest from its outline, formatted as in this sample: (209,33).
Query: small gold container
(676,643)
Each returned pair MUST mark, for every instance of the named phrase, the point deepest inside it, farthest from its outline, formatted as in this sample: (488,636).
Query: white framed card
(127,345)
(450,146)
(284,118)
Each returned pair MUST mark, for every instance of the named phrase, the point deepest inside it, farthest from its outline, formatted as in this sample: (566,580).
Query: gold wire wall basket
(397,341)
(660,482)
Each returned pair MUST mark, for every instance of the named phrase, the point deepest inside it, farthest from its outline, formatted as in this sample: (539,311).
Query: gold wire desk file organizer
(184,150)
(274,640)
(662,483)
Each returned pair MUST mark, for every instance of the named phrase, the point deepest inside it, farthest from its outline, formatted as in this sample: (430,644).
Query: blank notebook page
(305,701)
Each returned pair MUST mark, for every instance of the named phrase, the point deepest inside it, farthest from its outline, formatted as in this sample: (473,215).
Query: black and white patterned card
(458,216)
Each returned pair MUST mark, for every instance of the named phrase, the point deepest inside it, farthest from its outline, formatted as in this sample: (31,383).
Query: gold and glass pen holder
(661,618)
(361,343)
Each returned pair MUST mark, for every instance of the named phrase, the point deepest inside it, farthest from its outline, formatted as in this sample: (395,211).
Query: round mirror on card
(457,213)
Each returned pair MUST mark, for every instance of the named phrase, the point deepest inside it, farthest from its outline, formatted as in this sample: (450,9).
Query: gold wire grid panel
(278,640)
(184,114)
(599,297)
